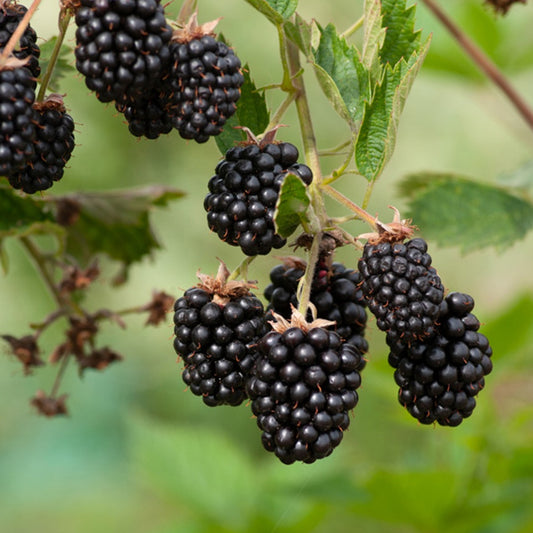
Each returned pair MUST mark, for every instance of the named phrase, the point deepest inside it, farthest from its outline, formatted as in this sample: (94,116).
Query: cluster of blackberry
(215,337)
(302,387)
(159,78)
(439,358)
(243,194)
(36,139)
(335,293)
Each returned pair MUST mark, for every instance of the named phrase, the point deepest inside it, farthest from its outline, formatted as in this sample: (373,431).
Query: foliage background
(139,454)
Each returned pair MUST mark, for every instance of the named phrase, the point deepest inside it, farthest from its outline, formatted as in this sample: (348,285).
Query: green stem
(275,120)
(306,283)
(286,84)
(368,194)
(59,376)
(360,212)
(353,28)
(17,34)
(242,269)
(63,25)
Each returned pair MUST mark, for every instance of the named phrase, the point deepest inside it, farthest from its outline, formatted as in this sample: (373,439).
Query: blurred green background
(139,453)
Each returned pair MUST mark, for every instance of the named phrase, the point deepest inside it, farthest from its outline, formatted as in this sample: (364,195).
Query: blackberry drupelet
(244,191)
(335,293)
(303,386)
(403,290)
(205,80)
(53,145)
(440,376)
(122,46)
(17,128)
(11,14)
(216,337)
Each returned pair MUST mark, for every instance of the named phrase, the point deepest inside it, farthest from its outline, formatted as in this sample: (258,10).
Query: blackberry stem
(242,269)
(354,27)
(360,212)
(305,284)
(17,34)
(64,19)
(483,62)
(275,120)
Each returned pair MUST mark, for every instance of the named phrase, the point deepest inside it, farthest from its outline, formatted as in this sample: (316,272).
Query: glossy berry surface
(403,290)
(122,46)
(10,16)
(440,377)
(335,293)
(243,194)
(205,80)
(303,386)
(17,119)
(217,344)
(53,146)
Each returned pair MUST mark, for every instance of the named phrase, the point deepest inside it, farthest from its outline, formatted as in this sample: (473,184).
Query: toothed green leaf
(456,211)
(292,206)
(275,10)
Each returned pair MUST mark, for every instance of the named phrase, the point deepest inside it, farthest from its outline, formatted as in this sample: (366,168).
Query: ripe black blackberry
(440,376)
(335,293)
(205,80)
(244,191)
(54,143)
(303,386)
(147,115)
(17,128)
(122,46)
(217,326)
(11,14)
(403,290)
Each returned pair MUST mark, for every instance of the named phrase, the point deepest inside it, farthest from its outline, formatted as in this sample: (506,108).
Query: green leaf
(300,33)
(265,7)
(19,213)
(343,78)
(252,113)
(285,8)
(377,136)
(62,67)
(115,223)
(401,40)
(373,38)
(292,206)
(456,211)
(198,468)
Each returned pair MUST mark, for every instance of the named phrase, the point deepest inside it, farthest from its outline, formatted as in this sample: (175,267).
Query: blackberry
(205,80)
(147,115)
(303,386)
(17,128)
(403,290)
(335,293)
(53,145)
(216,328)
(122,46)
(11,14)
(244,191)
(440,376)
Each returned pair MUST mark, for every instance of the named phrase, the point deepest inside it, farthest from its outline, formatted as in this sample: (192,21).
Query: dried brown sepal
(98,359)
(67,211)
(76,279)
(292,261)
(158,308)
(297,320)
(330,241)
(49,405)
(25,349)
(502,6)
(58,353)
(224,291)
(107,314)
(70,6)
(263,140)
(192,30)
(82,331)
(53,101)
(396,231)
